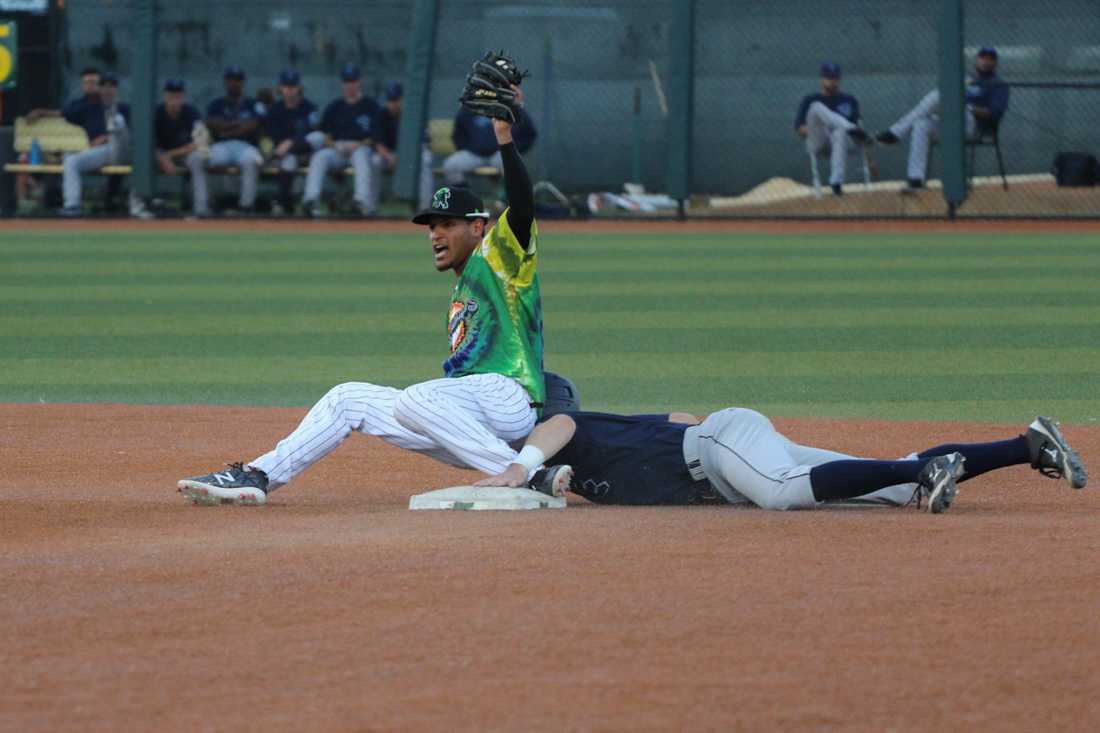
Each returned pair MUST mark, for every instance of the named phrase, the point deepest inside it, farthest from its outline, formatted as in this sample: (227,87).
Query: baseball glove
(488,89)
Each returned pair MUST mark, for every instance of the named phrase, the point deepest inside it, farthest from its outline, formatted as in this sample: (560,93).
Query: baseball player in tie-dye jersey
(494,383)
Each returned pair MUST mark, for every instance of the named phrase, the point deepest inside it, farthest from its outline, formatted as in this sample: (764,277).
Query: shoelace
(1054,471)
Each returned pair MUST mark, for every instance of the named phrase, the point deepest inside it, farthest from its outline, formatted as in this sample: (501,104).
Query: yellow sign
(9,55)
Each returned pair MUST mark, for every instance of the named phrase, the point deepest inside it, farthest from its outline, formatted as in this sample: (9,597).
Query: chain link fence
(599,91)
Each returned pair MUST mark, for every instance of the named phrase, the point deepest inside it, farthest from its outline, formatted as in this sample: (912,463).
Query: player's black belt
(536,404)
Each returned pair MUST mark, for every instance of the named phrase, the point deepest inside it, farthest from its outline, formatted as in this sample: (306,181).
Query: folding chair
(816,173)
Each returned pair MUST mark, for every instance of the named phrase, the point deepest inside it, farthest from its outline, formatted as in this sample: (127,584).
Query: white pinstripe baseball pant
(465,421)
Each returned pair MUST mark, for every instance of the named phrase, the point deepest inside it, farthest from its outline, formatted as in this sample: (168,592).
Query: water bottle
(36,152)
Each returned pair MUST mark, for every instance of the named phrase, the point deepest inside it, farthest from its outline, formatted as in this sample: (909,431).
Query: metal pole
(414,118)
(143,97)
(952,105)
(681,101)
(636,162)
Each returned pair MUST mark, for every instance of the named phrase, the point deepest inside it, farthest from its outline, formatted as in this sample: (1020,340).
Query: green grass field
(978,327)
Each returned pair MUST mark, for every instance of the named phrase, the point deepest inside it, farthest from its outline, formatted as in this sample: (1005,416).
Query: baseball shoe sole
(937,481)
(1051,454)
(236,485)
(552,481)
(207,495)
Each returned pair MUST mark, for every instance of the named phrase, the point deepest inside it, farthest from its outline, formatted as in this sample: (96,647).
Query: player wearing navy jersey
(737,456)
(986,104)
(475,145)
(383,157)
(346,124)
(234,121)
(174,123)
(827,121)
(290,123)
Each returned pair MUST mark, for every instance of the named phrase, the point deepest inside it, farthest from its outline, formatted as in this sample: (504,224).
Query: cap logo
(442,199)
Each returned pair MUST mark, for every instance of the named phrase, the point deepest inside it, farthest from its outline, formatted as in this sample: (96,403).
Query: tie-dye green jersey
(495,322)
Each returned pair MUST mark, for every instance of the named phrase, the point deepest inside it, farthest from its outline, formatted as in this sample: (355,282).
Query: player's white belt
(691,454)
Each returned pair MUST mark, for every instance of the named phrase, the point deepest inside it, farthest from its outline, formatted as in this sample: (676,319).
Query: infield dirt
(335,608)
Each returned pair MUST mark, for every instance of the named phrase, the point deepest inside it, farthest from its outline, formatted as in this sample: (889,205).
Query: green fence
(692,98)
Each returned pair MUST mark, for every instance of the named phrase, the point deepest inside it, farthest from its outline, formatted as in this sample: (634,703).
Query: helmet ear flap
(561,395)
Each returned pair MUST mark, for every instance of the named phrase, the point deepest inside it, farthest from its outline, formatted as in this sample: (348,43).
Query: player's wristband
(530,458)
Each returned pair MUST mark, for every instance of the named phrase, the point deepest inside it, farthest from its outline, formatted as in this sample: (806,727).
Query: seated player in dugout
(986,104)
(736,456)
(494,387)
(828,120)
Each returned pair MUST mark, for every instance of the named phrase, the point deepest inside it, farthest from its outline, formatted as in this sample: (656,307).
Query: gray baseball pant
(459,163)
(827,129)
(328,159)
(225,153)
(922,124)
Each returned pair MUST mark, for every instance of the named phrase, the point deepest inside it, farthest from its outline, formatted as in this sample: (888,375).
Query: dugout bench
(56,136)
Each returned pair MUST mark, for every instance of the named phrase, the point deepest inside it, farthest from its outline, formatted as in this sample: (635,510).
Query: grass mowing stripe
(368,322)
(389,368)
(715,277)
(565,341)
(558,310)
(938,286)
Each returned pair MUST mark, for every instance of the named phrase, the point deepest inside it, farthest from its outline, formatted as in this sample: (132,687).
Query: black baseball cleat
(237,485)
(552,480)
(838,190)
(937,482)
(887,138)
(1051,454)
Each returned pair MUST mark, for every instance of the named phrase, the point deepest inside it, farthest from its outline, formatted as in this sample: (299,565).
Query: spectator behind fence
(234,122)
(827,121)
(174,124)
(476,144)
(290,124)
(383,158)
(986,104)
(346,124)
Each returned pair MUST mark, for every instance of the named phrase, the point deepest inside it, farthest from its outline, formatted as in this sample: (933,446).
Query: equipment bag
(1076,169)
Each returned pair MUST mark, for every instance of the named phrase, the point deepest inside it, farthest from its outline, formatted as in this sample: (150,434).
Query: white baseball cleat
(937,481)
(1051,454)
(237,485)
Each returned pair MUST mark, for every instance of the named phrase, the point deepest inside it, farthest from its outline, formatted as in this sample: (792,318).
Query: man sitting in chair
(986,104)
(828,120)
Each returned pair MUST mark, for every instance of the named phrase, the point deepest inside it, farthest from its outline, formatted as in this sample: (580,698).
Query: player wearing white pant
(494,384)
(828,121)
(736,456)
(986,103)
(475,145)
(347,126)
(383,158)
(234,121)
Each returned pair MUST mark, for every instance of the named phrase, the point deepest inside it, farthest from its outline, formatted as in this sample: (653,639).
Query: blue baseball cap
(233,72)
(988,51)
(830,70)
(290,78)
(350,72)
(174,85)
(109,77)
(394,90)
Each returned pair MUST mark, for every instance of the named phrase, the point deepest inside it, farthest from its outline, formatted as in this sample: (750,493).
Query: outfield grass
(897,326)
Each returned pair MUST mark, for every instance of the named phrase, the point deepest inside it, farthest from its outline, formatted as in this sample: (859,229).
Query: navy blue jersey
(174,132)
(89,114)
(343,121)
(989,92)
(385,128)
(475,133)
(844,105)
(637,459)
(244,110)
(283,123)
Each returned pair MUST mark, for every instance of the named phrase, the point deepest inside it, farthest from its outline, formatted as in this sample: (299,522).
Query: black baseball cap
(830,70)
(233,72)
(174,85)
(290,78)
(988,51)
(394,90)
(350,72)
(453,202)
